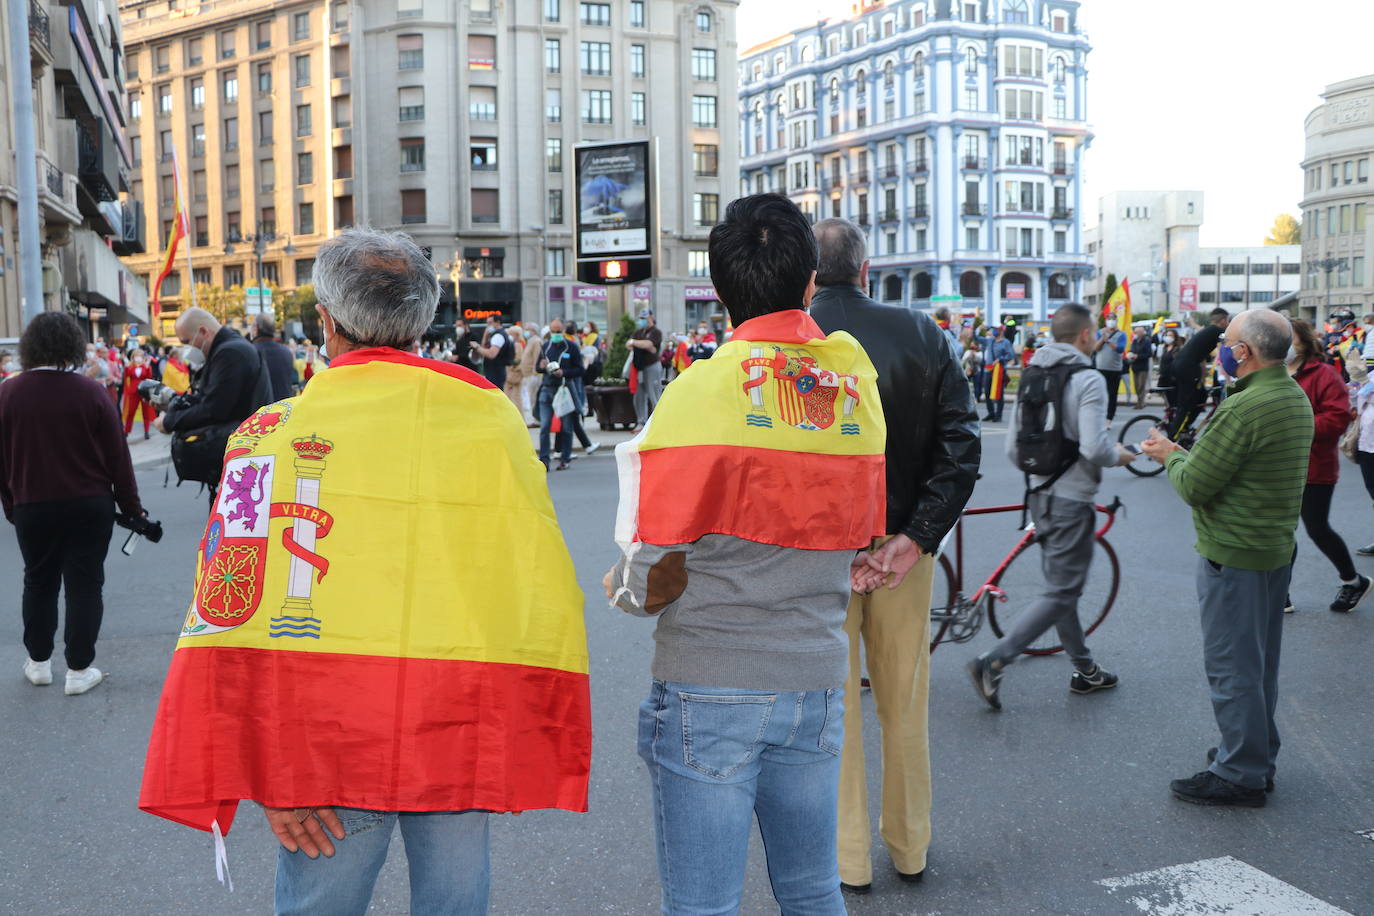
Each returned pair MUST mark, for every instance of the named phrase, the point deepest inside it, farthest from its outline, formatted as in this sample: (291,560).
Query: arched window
(758,115)
(1015,11)
(971,284)
(889,75)
(923,286)
(834,88)
(918,65)
(1015,279)
(1057,69)
(1059,286)
(971,60)
(808,54)
(861,81)
(780,104)
(892,288)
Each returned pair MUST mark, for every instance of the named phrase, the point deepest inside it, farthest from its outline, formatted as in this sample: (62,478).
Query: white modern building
(464,115)
(1337,196)
(952,132)
(1151,239)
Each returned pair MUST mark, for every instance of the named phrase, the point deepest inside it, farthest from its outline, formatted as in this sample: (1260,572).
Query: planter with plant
(610,397)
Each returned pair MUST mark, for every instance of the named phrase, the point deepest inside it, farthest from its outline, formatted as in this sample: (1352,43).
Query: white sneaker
(79,682)
(38,673)
(591,449)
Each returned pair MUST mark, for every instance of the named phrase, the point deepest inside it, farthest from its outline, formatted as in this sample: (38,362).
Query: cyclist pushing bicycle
(1061,440)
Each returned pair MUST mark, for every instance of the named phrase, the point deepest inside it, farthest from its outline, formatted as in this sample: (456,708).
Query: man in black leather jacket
(933,450)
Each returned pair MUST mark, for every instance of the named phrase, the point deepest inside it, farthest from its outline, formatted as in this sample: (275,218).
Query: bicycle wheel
(1023,581)
(1135,432)
(940,614)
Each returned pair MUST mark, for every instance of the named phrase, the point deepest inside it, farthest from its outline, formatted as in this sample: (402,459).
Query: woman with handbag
(1331,414)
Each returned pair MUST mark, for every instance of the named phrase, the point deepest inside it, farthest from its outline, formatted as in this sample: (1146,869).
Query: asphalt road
(1033,806)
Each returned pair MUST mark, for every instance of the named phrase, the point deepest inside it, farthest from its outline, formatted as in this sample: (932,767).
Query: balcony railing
(1062,168)
(891,170)
(863,220)
(832,179)
(889,216)
(52,177)
(919,211)
(861,176)
(920,165)
(972,209)
(973,162)
(40,29)
(1062,213)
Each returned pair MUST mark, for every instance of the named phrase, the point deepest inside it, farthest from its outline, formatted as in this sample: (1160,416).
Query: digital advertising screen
(613,199)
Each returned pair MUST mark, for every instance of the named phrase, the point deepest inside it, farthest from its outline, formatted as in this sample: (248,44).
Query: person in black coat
(281,369)
(933,452)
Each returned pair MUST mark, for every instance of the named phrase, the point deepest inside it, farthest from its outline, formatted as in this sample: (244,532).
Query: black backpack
(1042,448)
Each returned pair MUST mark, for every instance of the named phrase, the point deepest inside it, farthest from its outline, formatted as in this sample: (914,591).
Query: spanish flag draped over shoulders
(778,438)
(353,639)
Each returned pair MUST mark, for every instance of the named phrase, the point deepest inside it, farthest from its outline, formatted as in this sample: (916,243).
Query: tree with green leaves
(620,350)
(1287,230)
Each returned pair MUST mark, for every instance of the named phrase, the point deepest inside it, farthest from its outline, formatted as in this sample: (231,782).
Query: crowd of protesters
(754,610)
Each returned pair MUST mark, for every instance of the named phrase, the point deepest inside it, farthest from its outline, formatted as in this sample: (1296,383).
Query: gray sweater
(736,613)
(1085,420)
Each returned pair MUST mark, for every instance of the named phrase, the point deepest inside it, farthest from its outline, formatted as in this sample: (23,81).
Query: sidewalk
(154,452)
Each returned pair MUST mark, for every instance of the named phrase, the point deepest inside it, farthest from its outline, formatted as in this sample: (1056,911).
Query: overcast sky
(1204,94)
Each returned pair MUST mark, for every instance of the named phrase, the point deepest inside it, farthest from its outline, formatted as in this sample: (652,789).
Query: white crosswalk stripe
(1223,886)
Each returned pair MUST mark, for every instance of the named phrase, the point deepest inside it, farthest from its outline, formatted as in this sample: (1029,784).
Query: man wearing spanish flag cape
(743,506)
(339,663)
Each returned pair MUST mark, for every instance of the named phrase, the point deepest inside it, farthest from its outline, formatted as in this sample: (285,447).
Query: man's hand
(159,425)
(893,560)
(304,829)
(608,583)
(1158,446)
(862,577)
(1124,456)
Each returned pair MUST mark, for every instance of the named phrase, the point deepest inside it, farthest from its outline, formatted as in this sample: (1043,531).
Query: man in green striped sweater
(1244,480)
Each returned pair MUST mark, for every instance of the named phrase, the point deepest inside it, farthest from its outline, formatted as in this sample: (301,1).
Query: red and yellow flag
(177,234)
(347,643)
(782,434)
(680,358)
(1119,305)
(176,375)
(997,381)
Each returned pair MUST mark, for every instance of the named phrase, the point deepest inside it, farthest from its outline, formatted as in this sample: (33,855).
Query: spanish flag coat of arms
(352,639)
(778,438)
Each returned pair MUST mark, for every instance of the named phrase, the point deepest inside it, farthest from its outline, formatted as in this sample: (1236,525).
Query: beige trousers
(894,627)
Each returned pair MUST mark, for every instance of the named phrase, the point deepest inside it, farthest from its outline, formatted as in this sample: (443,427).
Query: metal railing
(972,209)
(1061,213)
(1062,168)
(891,170)
(919,211)
(40,28)
(973,162)
(861,176)
(889,216)
(920,165)
(863,220)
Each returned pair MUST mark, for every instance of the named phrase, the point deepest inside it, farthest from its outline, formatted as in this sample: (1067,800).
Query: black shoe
(1349,597)
(986,679)
(1207,788)
(856,889)
(562,466)
(1094,680)
(914,878)
(1268,780)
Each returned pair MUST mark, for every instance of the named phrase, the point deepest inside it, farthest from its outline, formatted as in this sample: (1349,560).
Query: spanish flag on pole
(1119,305)
(781,430)
(351,640)
(177,234)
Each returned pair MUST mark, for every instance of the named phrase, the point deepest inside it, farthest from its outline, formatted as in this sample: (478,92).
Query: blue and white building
(952,132)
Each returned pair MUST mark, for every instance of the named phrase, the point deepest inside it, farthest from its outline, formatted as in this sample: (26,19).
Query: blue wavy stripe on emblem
(288,617)
(294,635)
(294,626)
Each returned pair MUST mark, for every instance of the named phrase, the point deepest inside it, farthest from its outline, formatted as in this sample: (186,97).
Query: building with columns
(1338,248)
(953,133)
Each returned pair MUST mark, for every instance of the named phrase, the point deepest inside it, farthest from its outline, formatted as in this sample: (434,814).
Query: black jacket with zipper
(933,444)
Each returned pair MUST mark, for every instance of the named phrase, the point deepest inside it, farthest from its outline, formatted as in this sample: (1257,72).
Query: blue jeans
(448,855)
(719,756)
(544,411)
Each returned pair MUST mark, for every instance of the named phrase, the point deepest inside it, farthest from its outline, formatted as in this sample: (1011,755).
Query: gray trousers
(1242,631)
(1064,530)
(650,386)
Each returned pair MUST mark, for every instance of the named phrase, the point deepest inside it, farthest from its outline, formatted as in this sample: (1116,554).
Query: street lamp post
(1329,264)
(260,240)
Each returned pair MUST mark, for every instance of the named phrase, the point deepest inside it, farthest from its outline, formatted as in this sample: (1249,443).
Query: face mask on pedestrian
(1169,338)
(555,337)
(1292,356)
(194,358)
(1229,364)
(1111,324)
(640,323)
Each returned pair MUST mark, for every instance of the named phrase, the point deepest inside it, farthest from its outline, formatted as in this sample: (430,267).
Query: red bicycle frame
(1027,538)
